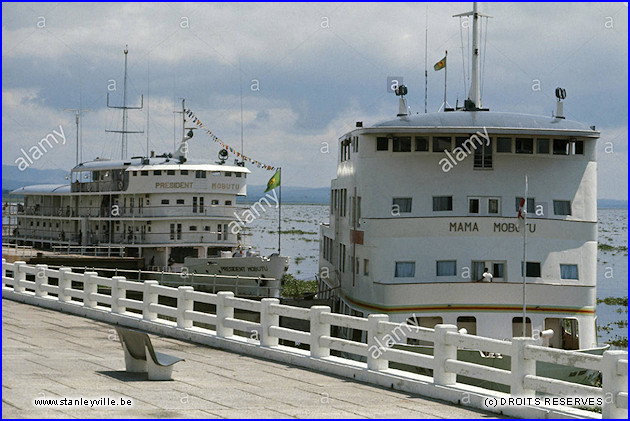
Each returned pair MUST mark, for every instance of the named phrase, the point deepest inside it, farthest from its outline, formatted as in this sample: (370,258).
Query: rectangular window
(201,210)
(228,203)
(561,147)
(215,202)
(206,228)
(483,156)
(405,270)
(172,231)
(192,228)
(194,205)
(422,143)
(366,267)
(498,270)
(238,175)
(382,144)
(219,232)
(493,206)
(144,173)
(525,145)
(531,205)
(579,147)
(401,204)
(473,205)
(442,203)
(180,201)
(459,143)
(504,145)
(446,268)
(542,146)
(228,174)
(200,174)
(179,231)
(402,144)
(157,172)
(477,270)
(533,269)
(441,144)
(165,201)
(170,172)
(184,172)
(134,173)
(569,272)
(562,207)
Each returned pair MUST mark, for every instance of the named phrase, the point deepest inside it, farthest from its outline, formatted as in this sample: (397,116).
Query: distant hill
(13,178)
(612,204)
(290,194)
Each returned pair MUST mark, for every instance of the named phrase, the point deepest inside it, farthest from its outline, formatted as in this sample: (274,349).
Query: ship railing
(245,286)
(126,211)
(255,328)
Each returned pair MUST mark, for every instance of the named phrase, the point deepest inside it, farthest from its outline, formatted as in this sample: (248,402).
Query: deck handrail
(106,299)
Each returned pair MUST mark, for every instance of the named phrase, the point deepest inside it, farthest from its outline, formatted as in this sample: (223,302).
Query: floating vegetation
(614,301)
(294,231)
(608,247)
(619,341)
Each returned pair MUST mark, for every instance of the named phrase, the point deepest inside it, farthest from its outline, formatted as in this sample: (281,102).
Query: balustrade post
(442,352)
(90,286)
(613,383)
(41,279)
(375,336)
(521,367)
(149,297)
(319,329)
(184,303)
(19,276)
(64,284)
(118,292)
(268,319)
(224,311)
(4,272)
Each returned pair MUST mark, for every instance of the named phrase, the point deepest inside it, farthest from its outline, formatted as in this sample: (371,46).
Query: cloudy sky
(315,69)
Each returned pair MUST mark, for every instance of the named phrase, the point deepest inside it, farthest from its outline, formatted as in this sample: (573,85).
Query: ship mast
(124,131)
(475,86)
(473,102)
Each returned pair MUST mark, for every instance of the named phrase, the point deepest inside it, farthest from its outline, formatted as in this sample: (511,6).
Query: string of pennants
(193,118)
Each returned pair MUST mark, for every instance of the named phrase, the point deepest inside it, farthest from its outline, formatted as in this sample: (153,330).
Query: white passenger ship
(171,212)
(414,224)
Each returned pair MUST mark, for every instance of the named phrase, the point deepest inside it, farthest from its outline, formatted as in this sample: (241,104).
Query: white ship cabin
(157,208)
(414,226)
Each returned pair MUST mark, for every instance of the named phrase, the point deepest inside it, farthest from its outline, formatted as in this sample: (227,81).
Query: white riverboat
(173,213)
(425,206)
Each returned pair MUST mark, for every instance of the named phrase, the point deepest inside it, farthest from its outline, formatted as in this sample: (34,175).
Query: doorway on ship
(565,333)
(517,327)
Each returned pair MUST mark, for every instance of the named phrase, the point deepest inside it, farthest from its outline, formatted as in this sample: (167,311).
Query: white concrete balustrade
(106,299)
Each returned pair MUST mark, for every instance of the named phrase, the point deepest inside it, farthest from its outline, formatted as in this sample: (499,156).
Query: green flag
(440,64)
(273,181)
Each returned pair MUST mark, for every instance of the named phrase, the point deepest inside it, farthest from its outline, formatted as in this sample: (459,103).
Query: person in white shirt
(487,276)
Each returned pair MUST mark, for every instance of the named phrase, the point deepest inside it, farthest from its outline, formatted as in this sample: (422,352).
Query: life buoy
(120,185)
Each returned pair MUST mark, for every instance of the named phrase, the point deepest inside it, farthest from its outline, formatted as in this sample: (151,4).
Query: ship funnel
(401,91)
(561,94)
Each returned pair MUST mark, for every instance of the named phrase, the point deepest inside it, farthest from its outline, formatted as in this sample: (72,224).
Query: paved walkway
(47,354)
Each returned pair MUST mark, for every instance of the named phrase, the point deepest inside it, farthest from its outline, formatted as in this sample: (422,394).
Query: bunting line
(195,120)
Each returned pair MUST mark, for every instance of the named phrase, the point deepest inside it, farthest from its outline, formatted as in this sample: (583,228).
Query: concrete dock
(48,354)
